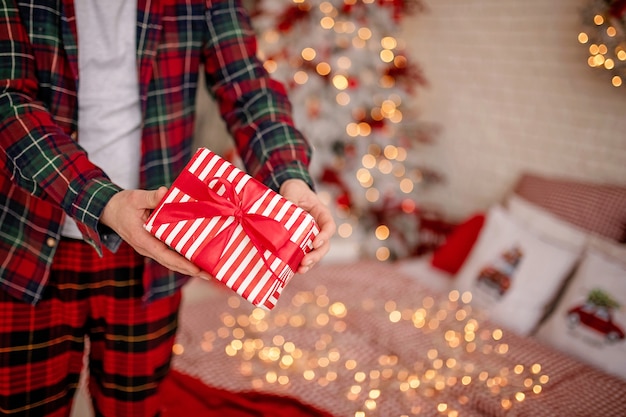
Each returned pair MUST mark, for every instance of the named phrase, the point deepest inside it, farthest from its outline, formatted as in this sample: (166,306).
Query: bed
(441,335)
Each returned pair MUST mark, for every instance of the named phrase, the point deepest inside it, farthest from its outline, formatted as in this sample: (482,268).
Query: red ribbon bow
(264,232)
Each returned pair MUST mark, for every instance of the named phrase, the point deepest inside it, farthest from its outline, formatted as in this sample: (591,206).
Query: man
(96,119)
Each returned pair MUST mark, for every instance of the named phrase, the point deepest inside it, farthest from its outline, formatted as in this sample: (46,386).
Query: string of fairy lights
(605,36)
(463,351)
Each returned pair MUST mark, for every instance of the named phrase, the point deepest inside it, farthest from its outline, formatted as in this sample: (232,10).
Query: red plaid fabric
(44,171)
(130,342)
(597,208)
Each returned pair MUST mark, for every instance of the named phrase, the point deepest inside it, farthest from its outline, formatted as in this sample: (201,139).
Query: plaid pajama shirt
(45,174)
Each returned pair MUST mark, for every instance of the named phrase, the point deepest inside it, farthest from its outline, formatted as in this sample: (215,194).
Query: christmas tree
(351,83)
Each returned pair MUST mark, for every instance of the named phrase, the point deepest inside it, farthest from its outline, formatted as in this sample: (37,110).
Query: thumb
(153,198)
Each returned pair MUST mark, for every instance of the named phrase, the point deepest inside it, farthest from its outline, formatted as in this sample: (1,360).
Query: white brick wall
(511,89)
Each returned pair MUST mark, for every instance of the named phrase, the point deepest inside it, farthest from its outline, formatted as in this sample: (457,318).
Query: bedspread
(366,339)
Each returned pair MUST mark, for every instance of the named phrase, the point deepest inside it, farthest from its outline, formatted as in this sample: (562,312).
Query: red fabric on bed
(184,395)
(598,208)
(451,255)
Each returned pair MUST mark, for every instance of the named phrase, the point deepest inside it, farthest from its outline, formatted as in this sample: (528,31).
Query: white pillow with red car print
(589,322)
(513,274)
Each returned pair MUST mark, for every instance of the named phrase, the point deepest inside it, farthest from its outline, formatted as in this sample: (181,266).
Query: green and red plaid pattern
(43,170)
(130,341)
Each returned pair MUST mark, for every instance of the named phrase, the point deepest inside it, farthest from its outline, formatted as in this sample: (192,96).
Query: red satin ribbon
(264,232)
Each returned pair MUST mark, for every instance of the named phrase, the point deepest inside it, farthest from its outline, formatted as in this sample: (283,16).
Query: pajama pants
(130,341)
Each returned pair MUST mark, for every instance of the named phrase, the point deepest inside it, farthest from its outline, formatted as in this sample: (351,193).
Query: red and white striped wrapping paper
(223,244)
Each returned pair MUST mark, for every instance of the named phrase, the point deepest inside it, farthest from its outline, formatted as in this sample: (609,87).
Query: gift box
(244,234)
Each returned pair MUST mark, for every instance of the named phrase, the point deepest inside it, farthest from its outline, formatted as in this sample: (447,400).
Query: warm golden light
(399,171)
(358,43)
(348,27)
(385,166)
(406,185)
(598,19)
(396,117)
(344,62)
(598,60)
(343,98)
(611,31)
(506,404)
(326,7)
(352,129)
(382,254)
(386,55)
(364,33)
(395,316)
(382,232)
(387,81)
(271,358)
(391,152)
(301,77)
(372,195)
(583,37)
(365,129)
(270,66)
(323,68)
(388,107)
(271,36)
(497,334)
(368,161)
(616,81)
(388,42)
(308,54)
(340,82)
(344,230)
(327,22)
(364,176)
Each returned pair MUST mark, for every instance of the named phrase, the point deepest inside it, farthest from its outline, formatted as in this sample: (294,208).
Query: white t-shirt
(109,109)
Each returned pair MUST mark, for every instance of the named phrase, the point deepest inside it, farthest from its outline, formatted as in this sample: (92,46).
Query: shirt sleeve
(255,107)
(35,151)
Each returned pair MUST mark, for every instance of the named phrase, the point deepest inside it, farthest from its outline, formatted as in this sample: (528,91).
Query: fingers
(153,248)
(326,224)
(321,243)
(300,193)
(126,212)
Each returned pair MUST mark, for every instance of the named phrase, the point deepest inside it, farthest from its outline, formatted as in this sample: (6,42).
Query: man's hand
(128,210)
(126,213)
(299,193)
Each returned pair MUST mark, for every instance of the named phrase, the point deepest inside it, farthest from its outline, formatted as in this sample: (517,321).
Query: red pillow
(450,256)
